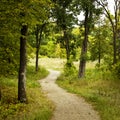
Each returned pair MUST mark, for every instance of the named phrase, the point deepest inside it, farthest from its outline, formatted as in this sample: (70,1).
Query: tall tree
(23,14)
(38,33)
(26,12)
(22,70)
(100,42)
(16,16)
(42,13)
(114,20)
(88,9)
(65,20)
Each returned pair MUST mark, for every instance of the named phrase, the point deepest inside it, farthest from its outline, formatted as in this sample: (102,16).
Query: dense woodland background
(33,29)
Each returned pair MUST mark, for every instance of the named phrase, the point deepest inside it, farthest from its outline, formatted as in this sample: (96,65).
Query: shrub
(116,70)
(69,68)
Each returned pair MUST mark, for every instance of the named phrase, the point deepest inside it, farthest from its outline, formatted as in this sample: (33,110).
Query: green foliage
(62,12)
(9,36)
(100,41)
(9,55)
(48,50)
(58,51)
(116,70)
(69,69)
(13,15)
(52,50)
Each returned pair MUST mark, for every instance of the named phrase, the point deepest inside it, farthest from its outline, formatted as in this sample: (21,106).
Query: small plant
(69,69)
(116,70)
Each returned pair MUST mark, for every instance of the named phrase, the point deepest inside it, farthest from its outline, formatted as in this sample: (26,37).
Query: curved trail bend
(68,106)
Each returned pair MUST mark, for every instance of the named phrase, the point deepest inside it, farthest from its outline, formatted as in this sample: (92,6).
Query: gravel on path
(68,106)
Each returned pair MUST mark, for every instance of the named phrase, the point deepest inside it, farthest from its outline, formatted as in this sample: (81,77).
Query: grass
(38,107)
(51,63)
(99,88)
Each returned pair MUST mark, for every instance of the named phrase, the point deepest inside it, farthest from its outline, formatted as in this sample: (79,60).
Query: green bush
(69,69)
(9,56)
(116,70)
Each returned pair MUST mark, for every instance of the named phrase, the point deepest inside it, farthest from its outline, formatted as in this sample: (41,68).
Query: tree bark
(67,45)
(37,48)
(114,48)
(99,52)
(22,69)
(119,44)
(84,47)
(39,29)
(0,93)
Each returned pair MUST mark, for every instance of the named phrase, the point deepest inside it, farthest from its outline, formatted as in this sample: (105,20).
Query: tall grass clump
(38,107)
(99,87)
(116,70)
(69,69)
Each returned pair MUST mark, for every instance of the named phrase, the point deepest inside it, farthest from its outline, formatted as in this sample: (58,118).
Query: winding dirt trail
(68,106)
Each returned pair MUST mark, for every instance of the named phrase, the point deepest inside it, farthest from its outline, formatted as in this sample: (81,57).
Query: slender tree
(84,46)
(38,33)
(0,93)
(114,20)
(42,15)
(15,17)
(65,20)
(88,8)
(100,41)
(25,13)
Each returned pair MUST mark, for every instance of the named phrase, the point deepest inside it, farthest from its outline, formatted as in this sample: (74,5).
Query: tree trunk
(38,41)
(84,47)
(114,48)
(37,47)
(99,53)
(22,70)
(67,47)
(119,44)
(0,93)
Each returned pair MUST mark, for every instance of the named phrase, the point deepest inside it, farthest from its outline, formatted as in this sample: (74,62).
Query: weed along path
(68,106)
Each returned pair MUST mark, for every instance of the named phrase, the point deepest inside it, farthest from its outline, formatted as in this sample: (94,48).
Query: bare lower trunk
(66,39)
(119,44)
(67,50)
(0,93)
(37,48)
(99,54)
(37,52)
(82,65)
(82,68)
(22,70)
(39,31)
(114,48)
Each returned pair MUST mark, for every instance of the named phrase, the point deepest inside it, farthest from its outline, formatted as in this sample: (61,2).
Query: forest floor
(68,106)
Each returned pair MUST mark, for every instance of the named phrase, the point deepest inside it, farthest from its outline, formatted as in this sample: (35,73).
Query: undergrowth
(99,88)
(38,107)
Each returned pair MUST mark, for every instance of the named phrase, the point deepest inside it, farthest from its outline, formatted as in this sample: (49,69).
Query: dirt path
(68,106)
